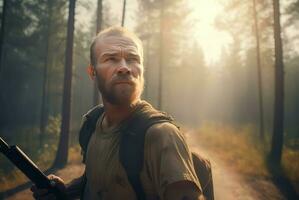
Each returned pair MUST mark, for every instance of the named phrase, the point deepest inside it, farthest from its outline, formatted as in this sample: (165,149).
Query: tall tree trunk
(259,73)
(45,92)
(2,35)
(62,151)
(124,14)
(277,138)
(96,97)
(161,57)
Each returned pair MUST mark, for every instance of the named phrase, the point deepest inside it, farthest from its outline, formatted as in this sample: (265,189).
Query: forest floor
(228,184)
(231,185)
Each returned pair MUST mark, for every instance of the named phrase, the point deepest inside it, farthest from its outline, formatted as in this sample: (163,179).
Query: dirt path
(228,185)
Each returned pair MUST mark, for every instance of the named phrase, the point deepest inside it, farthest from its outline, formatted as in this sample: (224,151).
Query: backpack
(132,146)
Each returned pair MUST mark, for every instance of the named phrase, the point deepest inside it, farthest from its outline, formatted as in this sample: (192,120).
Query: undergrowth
(290,164)
(236,146)
(242,150)
(16,177)
(43,157)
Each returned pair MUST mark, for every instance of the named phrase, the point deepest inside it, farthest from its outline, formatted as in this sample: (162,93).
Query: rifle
(29,168)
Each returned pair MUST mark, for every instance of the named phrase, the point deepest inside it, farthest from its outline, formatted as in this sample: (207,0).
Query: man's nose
(123,67)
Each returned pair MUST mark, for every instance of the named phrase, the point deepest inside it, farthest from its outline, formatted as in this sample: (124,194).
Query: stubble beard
(120,95)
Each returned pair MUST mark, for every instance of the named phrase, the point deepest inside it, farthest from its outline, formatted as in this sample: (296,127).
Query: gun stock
(28,167)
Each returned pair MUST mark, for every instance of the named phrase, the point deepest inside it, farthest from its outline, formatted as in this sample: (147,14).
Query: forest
(226,70)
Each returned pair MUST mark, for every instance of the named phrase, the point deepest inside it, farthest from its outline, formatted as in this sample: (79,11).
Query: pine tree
(62,152)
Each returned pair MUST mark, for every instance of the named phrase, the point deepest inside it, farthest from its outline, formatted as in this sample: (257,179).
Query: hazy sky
(84,15)
(203,13)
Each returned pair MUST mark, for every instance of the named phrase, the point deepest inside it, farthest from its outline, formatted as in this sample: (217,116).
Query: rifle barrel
(28,167)
(3,146)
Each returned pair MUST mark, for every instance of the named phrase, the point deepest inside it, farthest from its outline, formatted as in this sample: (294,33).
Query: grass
(241,149)
(28,139)
(236,146)
(290,164)
(15,177)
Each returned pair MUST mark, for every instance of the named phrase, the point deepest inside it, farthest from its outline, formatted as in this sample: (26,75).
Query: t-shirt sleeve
(167,157)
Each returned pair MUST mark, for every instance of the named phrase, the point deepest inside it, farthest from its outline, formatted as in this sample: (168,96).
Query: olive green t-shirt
(167,159)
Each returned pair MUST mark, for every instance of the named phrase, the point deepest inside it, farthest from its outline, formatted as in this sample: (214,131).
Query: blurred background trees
(183,76)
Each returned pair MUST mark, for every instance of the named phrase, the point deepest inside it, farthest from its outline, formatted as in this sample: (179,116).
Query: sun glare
(203,14)
(211,40)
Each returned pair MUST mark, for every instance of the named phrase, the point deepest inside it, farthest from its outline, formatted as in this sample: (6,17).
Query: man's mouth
(124,82)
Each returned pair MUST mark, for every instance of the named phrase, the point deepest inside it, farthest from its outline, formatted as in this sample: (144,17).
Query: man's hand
(45,194)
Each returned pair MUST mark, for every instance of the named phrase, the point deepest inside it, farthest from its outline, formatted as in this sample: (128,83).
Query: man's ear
(91,72)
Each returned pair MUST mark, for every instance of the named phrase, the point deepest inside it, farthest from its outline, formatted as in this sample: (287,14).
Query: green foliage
(33,40)
(53,127)
(292,98)
(290,162)
(47,153)
(293,10)
(27,139)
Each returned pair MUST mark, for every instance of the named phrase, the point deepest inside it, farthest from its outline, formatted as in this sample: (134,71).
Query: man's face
(119,70)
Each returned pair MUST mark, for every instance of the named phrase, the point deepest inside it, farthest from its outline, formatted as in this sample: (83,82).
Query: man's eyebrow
(107,54)
(133,54)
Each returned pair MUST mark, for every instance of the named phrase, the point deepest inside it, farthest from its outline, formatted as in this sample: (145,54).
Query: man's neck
(115,114)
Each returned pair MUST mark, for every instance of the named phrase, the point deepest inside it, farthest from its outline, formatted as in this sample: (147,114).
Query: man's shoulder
(165,127)
(163,133)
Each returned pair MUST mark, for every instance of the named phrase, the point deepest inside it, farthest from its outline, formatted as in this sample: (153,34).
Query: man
(167,173)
